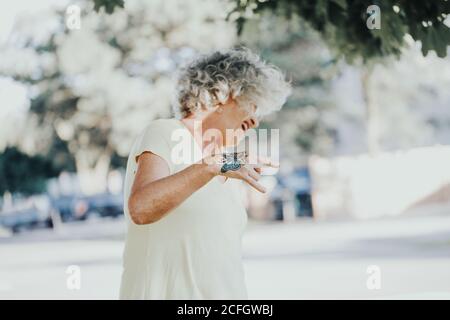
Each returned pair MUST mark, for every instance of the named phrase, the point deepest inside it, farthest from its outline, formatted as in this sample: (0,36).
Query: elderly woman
(185,220)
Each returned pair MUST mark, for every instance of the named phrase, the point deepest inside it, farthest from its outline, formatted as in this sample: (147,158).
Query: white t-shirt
(194,252)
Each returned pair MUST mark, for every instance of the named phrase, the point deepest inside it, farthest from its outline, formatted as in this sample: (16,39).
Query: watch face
(233,166)
(233,161)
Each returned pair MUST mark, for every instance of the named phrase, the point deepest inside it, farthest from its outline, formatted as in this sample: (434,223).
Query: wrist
(212,169)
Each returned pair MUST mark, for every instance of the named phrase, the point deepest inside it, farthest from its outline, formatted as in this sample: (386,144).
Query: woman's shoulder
(156,138)
(163,123)
(162,127)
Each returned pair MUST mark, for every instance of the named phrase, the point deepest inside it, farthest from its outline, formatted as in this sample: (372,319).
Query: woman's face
(235,121)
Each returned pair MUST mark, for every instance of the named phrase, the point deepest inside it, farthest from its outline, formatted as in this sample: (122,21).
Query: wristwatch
(233,161)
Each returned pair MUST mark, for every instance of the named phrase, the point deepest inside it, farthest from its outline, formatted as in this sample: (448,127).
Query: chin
(234,143)
(233,137)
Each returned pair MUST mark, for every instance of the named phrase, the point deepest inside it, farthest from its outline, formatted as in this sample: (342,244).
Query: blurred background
(364,182)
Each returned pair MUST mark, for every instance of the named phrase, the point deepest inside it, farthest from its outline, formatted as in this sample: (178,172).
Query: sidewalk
(302,260)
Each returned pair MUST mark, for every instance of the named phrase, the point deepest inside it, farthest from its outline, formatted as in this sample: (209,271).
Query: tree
(22,173)
(95,89)
(344,27)
(412,98)
(108,5)
(343,24)
(296,48)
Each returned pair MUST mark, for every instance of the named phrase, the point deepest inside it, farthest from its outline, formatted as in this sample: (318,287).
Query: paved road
(302,260)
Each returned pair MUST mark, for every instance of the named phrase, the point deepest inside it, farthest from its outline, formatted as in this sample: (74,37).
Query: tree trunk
(372,113)
(93,179)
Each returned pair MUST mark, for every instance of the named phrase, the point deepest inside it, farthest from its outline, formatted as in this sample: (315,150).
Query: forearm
(155,199)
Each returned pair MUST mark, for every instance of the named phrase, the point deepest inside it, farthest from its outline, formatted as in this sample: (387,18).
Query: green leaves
(436,39)
(108,5)
(22,173)
(343,24)
(341,3)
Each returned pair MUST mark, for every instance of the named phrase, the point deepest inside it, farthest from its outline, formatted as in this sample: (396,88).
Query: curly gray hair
(237,73)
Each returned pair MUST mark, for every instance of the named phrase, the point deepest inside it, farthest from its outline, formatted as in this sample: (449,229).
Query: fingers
(260,161)
(253,172)
(246,175)
(249,175)
(267,162)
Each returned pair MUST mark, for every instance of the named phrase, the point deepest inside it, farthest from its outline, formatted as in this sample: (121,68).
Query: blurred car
(103,205)
(37,213)
(302,190)
(25,219)
(297,184)
(74,208)
(68,207)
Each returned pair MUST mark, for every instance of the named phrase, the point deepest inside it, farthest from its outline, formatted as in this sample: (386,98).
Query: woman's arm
(154,192)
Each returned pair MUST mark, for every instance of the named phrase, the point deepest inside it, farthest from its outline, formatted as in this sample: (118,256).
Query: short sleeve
(153,140)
